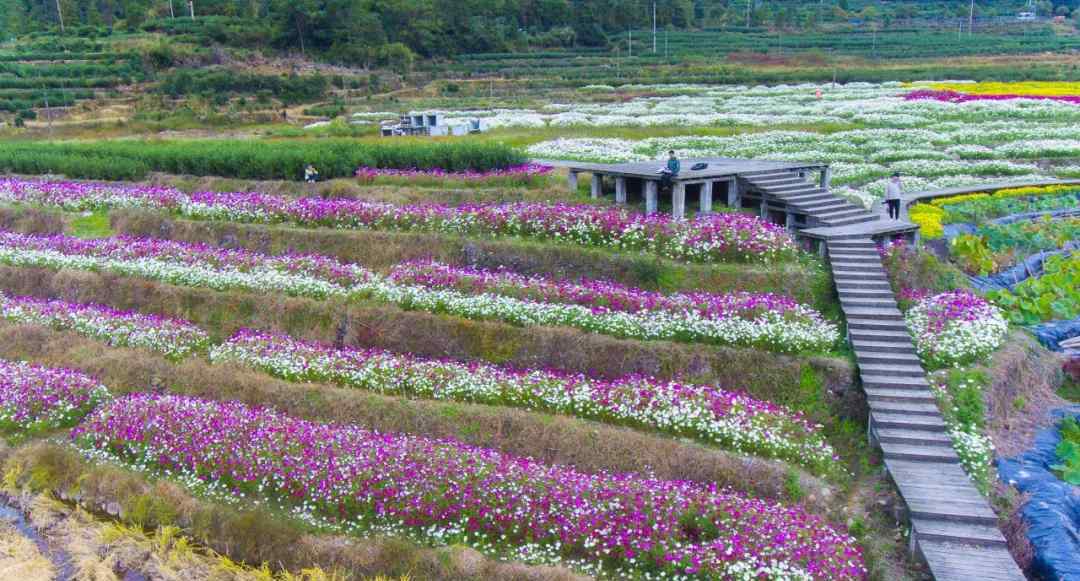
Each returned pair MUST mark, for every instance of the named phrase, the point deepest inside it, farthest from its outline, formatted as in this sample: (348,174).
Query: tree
(294,20)
(398,57)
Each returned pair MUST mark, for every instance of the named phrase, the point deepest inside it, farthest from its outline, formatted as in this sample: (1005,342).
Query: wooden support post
(734,200)
(706,197)
(789,220)
(763,211)
(620,191)
(826,177)
(678,200)
(652,187)
(571,181)
(597,185)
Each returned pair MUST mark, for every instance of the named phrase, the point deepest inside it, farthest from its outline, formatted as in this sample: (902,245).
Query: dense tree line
(395,32)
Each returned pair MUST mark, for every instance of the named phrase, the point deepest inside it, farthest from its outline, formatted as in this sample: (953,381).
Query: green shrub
(245,159)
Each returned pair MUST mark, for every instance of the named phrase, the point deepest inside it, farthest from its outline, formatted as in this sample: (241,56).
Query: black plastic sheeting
(1031,266)
(1053,512)
(1053,333)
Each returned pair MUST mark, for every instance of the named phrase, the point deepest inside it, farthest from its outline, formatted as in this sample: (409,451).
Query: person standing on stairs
(892,196)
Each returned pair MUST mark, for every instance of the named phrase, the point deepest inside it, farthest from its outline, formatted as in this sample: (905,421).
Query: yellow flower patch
(1033,88)
(929,218)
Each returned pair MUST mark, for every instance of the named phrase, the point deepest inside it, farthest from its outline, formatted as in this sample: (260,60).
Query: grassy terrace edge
(379,250)
(555,439)
(818,385)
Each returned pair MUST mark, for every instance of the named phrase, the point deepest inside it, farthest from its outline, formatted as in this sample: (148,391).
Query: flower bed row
(34,398)
(173,337)
(598,294)
(320,276)
(451,492)
(762,320)
(185,264)
(438,490)
(711,238)
(958,97)
(732,420)
(955,328)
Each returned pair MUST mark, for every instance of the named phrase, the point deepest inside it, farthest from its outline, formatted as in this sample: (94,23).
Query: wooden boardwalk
(913,197)
(952,525)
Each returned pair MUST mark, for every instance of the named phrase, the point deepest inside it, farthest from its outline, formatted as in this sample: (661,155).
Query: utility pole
(629,47)
(172,14)
(749,3)
(654,27)
(191,8)
(60,14)
(971,18)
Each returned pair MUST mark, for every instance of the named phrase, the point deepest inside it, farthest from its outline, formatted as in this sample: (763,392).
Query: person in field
(893,191)
(311,175)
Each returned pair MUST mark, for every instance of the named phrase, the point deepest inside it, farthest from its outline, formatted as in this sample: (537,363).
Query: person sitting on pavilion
(672,170)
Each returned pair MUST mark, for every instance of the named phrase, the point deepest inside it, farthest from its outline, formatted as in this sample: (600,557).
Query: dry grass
(22,219)
(20,557)
(1024,378)
(765,375)
(590,446)
(245,534)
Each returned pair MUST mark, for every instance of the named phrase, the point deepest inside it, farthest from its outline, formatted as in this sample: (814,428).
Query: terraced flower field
(317,468)
(881,128)
(485,384)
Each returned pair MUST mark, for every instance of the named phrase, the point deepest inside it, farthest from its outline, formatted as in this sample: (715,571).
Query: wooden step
(952,561)
(896,370)
(900,395)
(886,357)
(943,454)
(866,293)
(870,324)
(943,530)
(905,418)
(873,268)
(892,314)
(892,381)
(855,220)
(878,335)
(906,410)
(909,436)
(845,285)
(897,346)
(888,303)
(862,258)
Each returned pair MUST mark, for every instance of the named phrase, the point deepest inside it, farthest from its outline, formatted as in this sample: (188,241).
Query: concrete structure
(794,194)
(431,123)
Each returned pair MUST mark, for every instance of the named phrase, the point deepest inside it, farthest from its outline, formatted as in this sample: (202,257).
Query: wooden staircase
(807,198)
(952,525)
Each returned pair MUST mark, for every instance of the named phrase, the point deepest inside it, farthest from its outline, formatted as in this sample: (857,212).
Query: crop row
(731,420)
(435,490)
(249,159)
(710,238)
(363,480)
(751,320)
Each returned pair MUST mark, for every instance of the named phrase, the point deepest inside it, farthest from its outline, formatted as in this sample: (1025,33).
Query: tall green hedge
(246,159)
